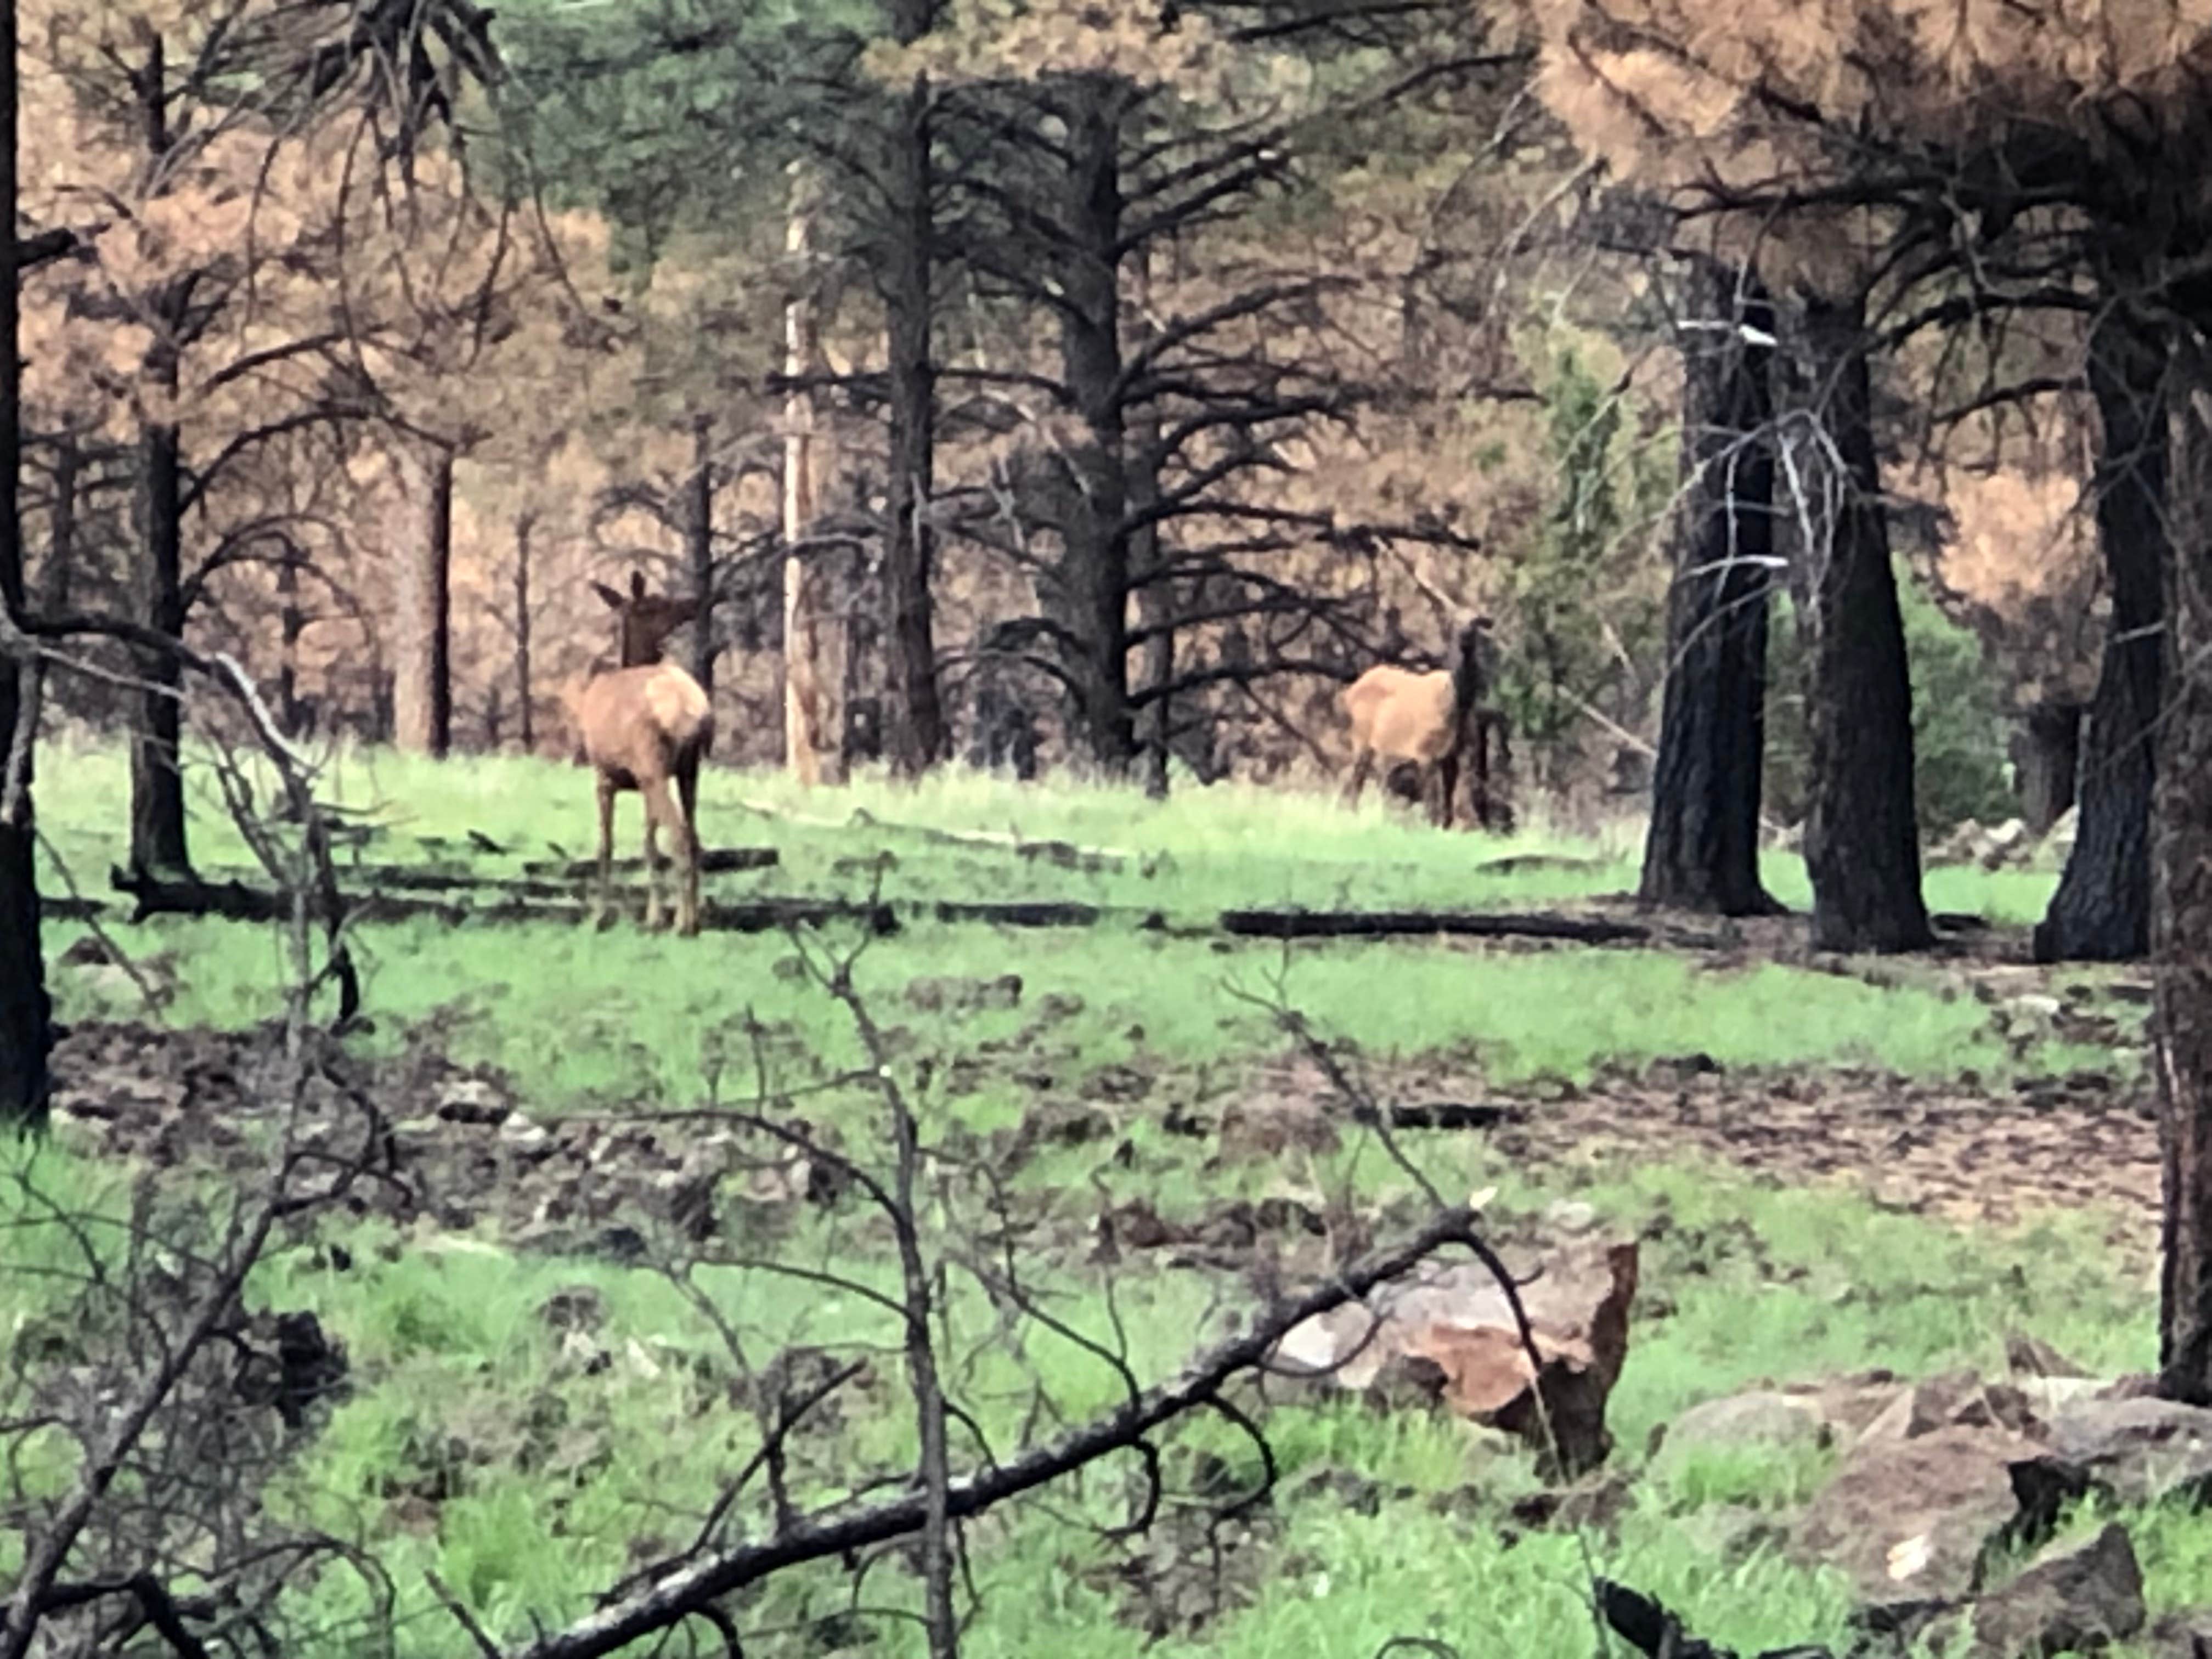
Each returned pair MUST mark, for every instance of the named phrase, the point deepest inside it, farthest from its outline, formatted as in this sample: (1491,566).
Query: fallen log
(54,907)
(1020,912)
(1471,924)
(712,861)
(234,901)
(1067,854)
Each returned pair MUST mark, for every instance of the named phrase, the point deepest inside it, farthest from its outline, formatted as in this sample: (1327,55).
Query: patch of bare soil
(1945,1150)
(432,1140)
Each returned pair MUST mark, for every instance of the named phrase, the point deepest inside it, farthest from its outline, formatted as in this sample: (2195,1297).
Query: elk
(1429,719)
(645,725)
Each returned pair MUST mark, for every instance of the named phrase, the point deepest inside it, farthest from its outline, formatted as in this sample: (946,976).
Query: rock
(1956,1398)
(2185,1635)
(1570,1215)
(1762,1418)
(1911,1518)
(1267,1127)
(2047,1396)
(2030,1355)
(525,1136)
(2078,1599)
(2140,1449)
(2035,1005)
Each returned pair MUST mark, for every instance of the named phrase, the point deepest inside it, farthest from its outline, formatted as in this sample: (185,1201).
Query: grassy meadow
(477,1445)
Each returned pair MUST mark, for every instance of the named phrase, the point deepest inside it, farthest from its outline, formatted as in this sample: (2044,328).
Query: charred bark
(525,691)
(424,688)
(2182,930)
(2101,911)
(1148,556)
(699,551)
(2047,756)
(1702,852)
(1861,842)
(918,739)
(291,623)
(158,844)
(1094,571)
(26,1022)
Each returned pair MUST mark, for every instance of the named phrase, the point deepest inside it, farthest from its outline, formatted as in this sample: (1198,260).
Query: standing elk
(1430,718)
(644,725)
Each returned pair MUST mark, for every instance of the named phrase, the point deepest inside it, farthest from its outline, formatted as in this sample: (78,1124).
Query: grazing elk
(1429,719)
(646,725)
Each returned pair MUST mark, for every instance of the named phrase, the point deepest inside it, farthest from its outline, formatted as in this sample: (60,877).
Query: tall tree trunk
(25,1027)
(423,692)
(1148,552)
(524,692)
(157,785)
(1702,853)
(918,739)
(2182,908)
(158,846)
(1095,559)
(1862,839)
(699,548)
(2101,911)
(2047,756)
(813,725)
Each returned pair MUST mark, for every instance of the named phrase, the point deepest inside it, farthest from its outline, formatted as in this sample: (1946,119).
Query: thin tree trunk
(2047,754)
(1095,560)
(813,725)
(2182,910)
(918,738)
(423,690)
(157,787)
(524,692)
(26,1024)
(158,846)
(1148,553)
(1702,853)
(699,548)
(2101,911)
(1862,839)
(290,625)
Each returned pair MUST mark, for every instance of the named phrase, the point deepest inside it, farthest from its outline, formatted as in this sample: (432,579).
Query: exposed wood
(812,727)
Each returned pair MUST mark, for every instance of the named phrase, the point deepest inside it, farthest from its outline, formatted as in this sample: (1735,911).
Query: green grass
(547,1467)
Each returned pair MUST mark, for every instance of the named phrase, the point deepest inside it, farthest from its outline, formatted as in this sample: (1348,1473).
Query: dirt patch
(1943,1149)
(435,1141)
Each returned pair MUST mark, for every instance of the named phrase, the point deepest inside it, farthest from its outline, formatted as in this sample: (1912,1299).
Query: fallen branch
(712,861)
(822,1536)
(1472,924)
(1067,855)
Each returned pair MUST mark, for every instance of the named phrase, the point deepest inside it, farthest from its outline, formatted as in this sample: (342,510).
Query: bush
(1957,718)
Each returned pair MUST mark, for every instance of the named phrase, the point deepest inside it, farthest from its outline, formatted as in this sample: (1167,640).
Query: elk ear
(637,584)
(615,601)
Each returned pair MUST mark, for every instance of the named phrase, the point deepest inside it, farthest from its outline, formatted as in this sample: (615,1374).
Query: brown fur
(1399,715)
(646,725)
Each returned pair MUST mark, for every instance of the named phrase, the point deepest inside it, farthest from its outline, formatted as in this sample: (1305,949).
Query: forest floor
(1832,1168)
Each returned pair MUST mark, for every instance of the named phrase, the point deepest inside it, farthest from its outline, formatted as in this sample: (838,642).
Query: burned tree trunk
(424,688)
(1862,841)
(918,738)
(699,550)
(2182,911)
(2046,755)
(157,786)
(290,623)
(2101,911)
(26,1026)
(1148,555)
(1094,571)
(1702,853)
(525,690)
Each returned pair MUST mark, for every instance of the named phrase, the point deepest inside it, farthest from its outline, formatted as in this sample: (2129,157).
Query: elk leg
(1359,776)
(1447,787)
(659,809)
(687,912)
(600,914)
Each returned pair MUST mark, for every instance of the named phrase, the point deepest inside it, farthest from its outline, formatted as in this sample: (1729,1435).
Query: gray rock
(2077,1599)
(1912,1519)
(2139,1449)
(1763,1419)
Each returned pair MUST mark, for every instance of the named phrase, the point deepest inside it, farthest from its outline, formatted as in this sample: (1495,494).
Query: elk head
(644,621)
